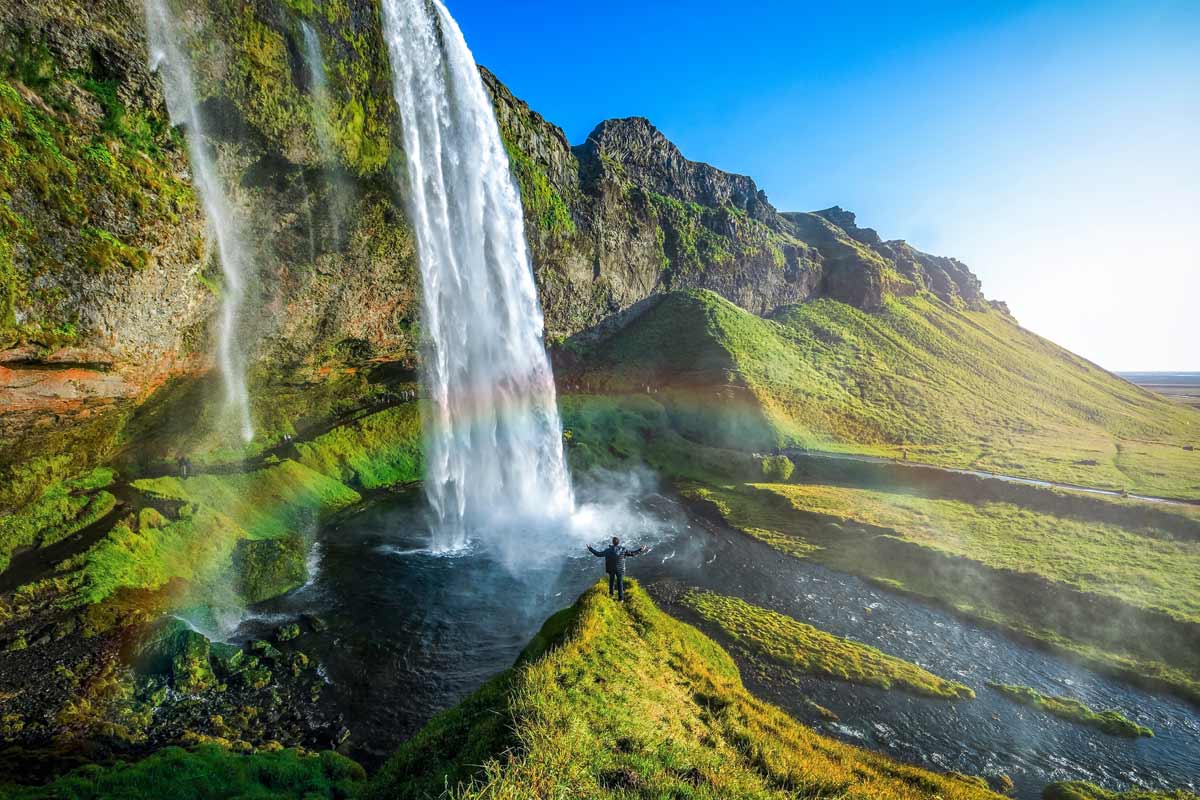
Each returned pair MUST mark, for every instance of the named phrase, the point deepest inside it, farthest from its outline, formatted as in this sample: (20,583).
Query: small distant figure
(614,564)
(184,465)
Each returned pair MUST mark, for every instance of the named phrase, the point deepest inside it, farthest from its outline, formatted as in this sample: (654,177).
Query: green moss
(103,252)
(541,200)
(209,773)
(777,469)
(1076,790)
(261,83)
(380,450)
(813,651)
(1111,722)
(77,194)
(265,504)
(616,700)
(615,432)
(64,509)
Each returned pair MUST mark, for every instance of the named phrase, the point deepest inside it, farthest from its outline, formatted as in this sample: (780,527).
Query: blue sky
(1054,147)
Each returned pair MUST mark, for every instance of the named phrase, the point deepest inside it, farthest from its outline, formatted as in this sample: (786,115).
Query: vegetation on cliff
(811,650)
(613,699)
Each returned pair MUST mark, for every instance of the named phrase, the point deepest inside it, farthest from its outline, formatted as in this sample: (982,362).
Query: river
(412,632)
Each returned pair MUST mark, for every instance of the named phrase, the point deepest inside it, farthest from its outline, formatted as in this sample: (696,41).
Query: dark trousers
(616,581)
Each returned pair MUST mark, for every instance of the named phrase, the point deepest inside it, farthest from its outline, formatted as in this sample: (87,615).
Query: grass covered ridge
(1111,722)
(951,387)
(622,700)
(1152,571)
(207,773)
(817,652)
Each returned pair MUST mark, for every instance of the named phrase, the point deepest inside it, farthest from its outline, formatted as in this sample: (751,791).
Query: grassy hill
(623,701)
(945,386)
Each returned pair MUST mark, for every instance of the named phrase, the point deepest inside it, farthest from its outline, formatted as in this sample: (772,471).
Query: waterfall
(314,61)
(167,56)
(494,449)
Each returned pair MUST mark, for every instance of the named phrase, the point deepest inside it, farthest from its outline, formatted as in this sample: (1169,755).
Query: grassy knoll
(1074,790)
(1092,626)
(950,387)
(1153,572)
(1111,722)
(816,652)
(207,773)
(621,700)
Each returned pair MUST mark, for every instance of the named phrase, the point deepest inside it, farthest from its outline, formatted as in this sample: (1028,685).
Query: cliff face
(109,284)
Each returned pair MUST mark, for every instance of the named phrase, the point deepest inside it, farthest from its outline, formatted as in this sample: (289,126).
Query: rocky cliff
(108,281)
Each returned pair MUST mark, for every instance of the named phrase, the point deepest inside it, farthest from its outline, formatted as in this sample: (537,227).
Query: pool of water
(411,633)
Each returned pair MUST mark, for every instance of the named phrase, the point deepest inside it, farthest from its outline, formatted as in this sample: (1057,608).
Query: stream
(412,633)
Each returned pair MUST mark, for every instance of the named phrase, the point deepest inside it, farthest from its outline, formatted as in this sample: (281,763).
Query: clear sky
(1053,147)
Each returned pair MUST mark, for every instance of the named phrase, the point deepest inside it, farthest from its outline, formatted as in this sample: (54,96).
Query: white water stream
(168,58)
(493,437)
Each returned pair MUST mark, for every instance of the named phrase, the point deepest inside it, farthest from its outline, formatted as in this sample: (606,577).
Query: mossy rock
(286,633)
(270,567)
(191,669)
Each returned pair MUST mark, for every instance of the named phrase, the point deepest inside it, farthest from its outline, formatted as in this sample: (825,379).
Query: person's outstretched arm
(641,551)
(594,552)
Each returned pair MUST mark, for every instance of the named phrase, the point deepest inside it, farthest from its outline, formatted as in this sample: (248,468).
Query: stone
(191,670)
(286,633)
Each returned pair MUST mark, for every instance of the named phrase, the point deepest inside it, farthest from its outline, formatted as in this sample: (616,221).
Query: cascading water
(336,205)
(168,58)
(315,62)
(494,447)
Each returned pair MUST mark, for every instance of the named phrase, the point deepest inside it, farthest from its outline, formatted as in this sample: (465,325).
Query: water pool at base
(411,633)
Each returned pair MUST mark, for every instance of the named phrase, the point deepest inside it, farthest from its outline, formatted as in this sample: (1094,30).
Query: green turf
(942,385)
(207,773)
(1144,568)
(813,651)
(1113,723)
(1046,607)
(1074,790)
(623,701)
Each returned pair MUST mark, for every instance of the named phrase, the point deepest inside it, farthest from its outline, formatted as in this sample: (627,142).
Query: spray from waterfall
(168,58)
(494,450)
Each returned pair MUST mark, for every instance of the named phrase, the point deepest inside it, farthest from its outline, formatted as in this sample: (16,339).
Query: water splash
(167,57)
(494,449)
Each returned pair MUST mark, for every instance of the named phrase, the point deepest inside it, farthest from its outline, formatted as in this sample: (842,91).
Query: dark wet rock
(315,623)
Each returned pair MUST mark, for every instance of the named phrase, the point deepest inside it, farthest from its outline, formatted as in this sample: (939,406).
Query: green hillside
(623,701)
(918,378)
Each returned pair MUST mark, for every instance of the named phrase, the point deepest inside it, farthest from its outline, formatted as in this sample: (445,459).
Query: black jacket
(614,557)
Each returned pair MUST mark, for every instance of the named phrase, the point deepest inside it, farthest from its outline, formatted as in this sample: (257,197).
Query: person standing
(614,564)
